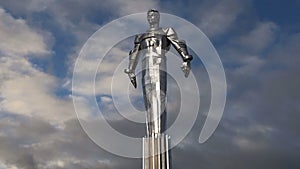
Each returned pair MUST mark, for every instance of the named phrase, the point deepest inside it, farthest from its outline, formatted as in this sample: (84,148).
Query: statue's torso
(155,42)
(153,47)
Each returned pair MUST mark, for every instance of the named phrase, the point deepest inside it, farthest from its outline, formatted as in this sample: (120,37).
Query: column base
(156,154)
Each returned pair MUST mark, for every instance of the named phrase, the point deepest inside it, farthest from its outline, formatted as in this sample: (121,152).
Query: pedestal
(156,154)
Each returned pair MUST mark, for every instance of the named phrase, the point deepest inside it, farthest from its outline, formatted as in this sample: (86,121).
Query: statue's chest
(158,41)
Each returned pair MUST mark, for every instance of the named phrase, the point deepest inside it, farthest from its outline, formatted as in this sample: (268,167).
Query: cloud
(259,128)
(30,143)
(217,17)
(263,103)
(18,38)
(262,36)
(79,16)
(244,53)
(132,6)
(25,89)
(24,92)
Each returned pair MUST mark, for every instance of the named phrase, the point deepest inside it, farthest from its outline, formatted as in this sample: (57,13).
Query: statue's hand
(186,67)
(131,76)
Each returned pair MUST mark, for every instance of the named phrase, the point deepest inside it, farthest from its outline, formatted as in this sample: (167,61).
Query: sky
(258,44)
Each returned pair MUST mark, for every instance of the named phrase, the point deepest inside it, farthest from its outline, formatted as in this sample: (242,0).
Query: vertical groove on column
(156,154)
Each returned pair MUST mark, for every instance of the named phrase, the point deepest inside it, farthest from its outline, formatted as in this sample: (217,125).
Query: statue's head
(153,16)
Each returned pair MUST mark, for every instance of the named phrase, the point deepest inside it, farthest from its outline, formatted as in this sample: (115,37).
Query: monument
(152,47)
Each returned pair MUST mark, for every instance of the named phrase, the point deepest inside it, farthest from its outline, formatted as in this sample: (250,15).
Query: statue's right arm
(133,60)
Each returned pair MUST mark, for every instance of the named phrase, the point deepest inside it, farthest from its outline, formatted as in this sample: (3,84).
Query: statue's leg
(154,82)
(156,144)
(163,91)
(155,98)
(147,101)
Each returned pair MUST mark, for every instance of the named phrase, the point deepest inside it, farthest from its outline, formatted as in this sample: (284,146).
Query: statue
(152,47)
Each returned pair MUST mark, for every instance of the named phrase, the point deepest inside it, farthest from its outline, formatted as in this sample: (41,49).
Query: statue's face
(153,17)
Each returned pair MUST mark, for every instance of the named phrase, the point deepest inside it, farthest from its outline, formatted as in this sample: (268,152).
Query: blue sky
(258,43)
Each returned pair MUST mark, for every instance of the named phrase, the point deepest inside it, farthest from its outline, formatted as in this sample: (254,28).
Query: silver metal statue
(152,47)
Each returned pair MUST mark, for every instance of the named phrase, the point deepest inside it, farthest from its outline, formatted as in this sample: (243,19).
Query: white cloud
(250,145)
(218,18)
(133,6)
(24,89)
(249,65)
(260,37)
(34,90)
(18,38)
(28,91)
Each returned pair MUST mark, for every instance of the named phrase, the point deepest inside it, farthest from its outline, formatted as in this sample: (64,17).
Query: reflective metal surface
(156,154)
(152,47)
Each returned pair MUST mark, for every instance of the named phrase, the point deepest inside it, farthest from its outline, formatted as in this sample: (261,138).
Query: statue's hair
(152,10)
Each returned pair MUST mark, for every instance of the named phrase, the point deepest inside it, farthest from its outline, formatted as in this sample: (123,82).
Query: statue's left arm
(181,48)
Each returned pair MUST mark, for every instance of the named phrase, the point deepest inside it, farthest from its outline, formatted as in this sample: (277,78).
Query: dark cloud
(32,143)
(260,125)
(260,122)
(12,151)
(214,18)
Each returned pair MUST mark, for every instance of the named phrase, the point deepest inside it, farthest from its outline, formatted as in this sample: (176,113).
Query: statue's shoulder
(138,38)
(170,31)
